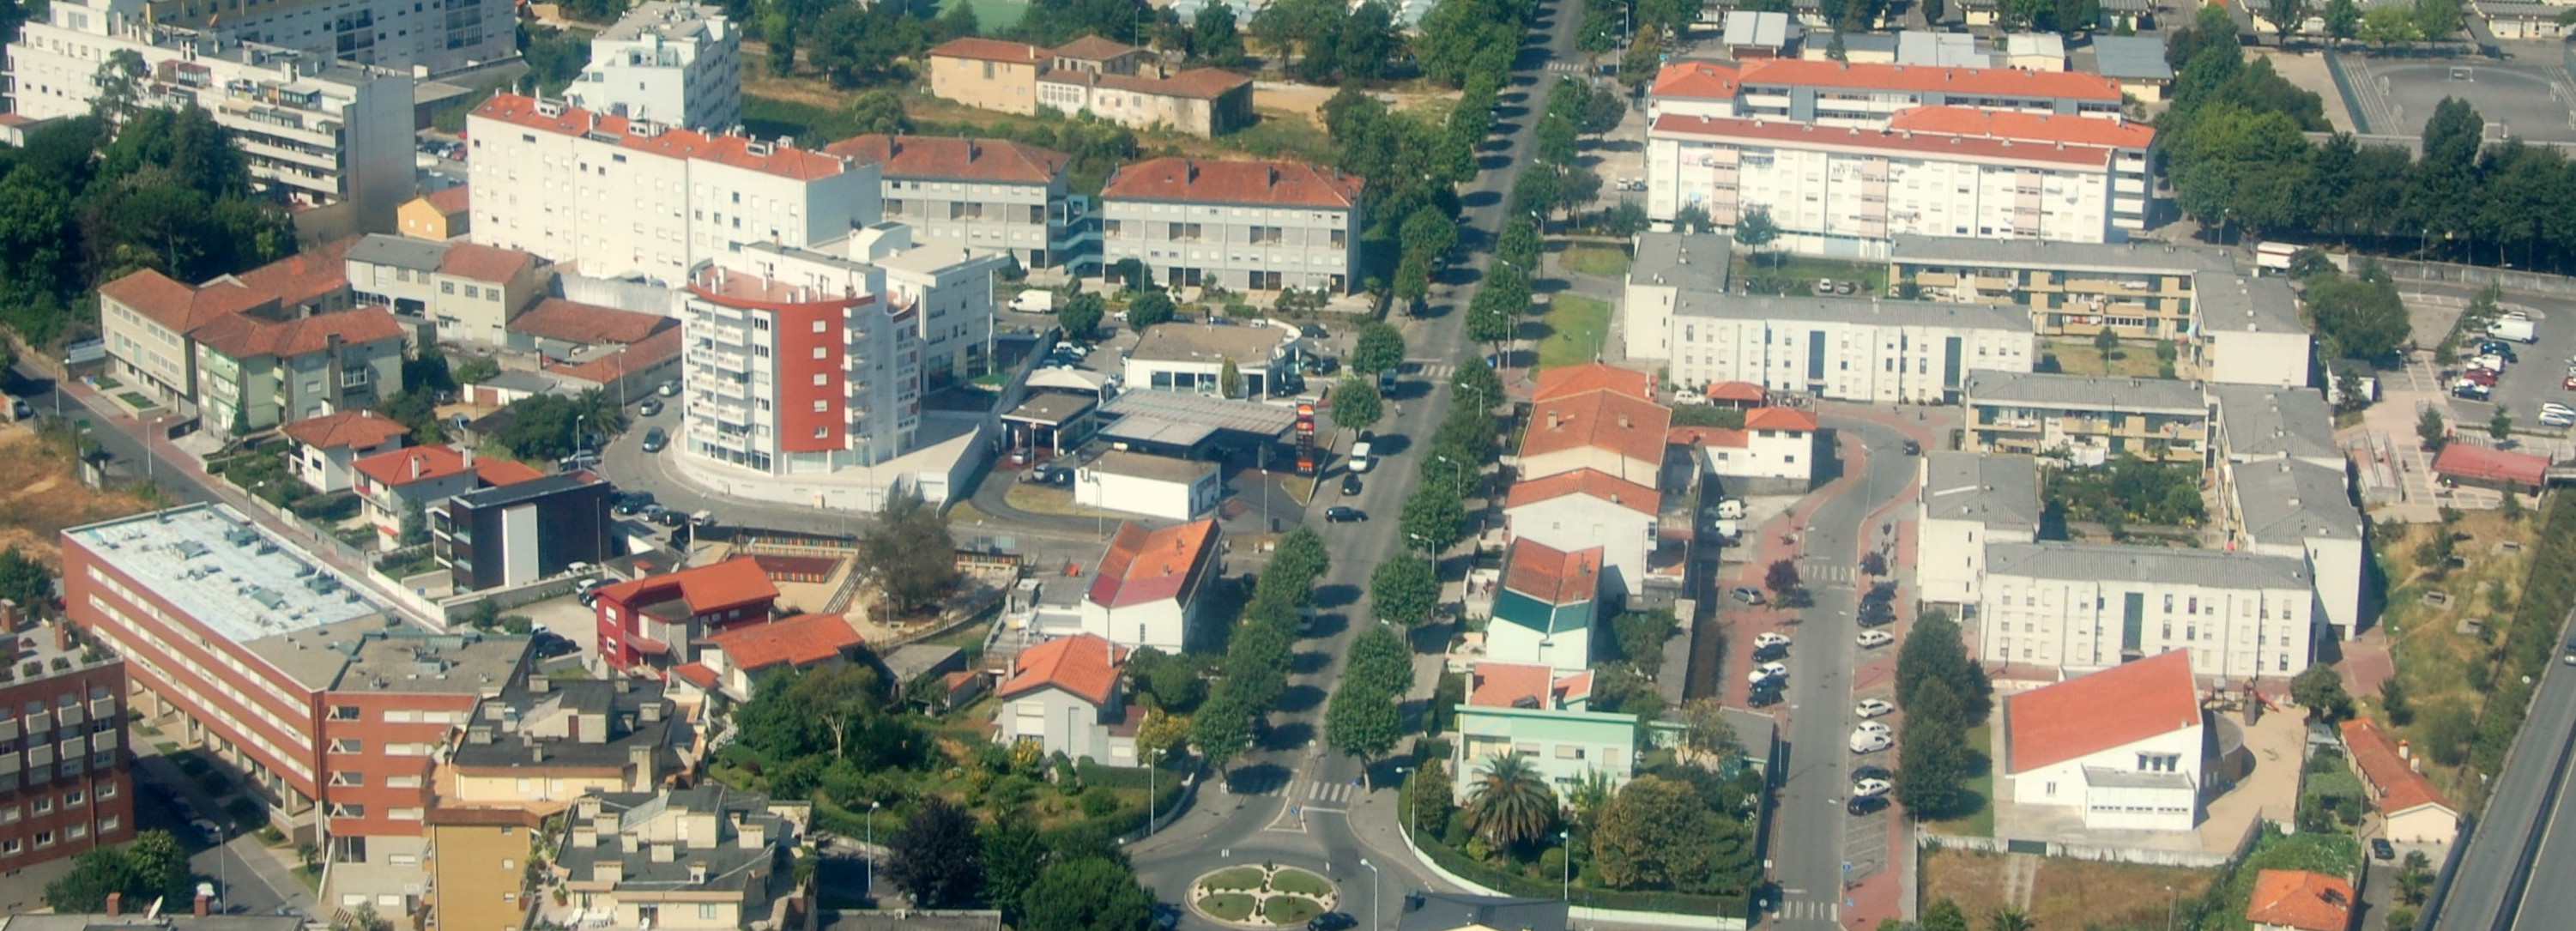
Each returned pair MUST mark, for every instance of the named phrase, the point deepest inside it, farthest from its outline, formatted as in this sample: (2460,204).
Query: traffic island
(1262,896)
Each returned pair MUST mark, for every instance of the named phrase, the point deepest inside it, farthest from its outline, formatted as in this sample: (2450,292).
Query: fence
(2196,859)
(1440,860)
(2479,276)
(2343,89)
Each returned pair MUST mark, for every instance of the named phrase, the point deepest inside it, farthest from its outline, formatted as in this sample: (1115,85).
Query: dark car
(1166,916)
(1871,772)
(1386,382)
(550,645)
(1313,331)
(1322,365)
(2382,849)
(1350,485)
(1771,653)
(670,518)
(1331,921)
(655,439)
(652,407)
(1764,695)
(1869,805)
(1343,514)
(1913,448)
(631,502)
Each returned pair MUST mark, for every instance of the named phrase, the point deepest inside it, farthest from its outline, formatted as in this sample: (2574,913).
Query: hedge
(1460,865)
(2547,595)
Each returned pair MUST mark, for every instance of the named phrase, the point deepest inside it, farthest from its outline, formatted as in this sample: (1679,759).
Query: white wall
(1159,624)
(1784,454)
(2232,633)
(2063,784)
(1578,522)
(1822,197)
(1152,497)
(2251,358)
(1887,363)
(1567,652)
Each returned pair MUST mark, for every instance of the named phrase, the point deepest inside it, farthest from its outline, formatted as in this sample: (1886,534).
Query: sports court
(2531,99)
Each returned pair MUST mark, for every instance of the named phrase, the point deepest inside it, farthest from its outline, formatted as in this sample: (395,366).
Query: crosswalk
(1330,793)
(1311,795)
(1812,910)
(1429,368)
(1566,67)
(1828,575)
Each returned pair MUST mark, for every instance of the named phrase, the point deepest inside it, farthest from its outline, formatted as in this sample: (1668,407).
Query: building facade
(2088,419)
(255,371)
(518,533)
(1831,93)
(1193,357)
(1845,349)
(617,196)
(1545,608)
(669,62)
(1068,696)
(1969,500)
(708,858)
(65,785)
(2239,616)
(1148,590)
(1089,75)
(1589,509)
(1662,268)
(807,368)
(434,38)
(990,195)
(471,291)
(1240,225)
(1154,486)
(2122,746)
(656,622)
(150,322)
(327,447)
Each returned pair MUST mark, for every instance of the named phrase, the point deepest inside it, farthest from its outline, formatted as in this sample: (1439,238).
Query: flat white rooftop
(229,573)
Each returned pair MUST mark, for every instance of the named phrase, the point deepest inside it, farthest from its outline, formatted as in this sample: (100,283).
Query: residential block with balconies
(2086,419)
(65,785)
(1240,225)
(678,63)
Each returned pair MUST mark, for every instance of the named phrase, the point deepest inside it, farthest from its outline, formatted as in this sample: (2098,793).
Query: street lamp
(1153,755)
(872,850)
(1565,877)
(1376,920)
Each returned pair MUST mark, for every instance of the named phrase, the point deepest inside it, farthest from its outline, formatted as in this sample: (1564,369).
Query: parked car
(1331,921)
(1313,331)
(1874,707)
(213,833)
(1868,788)
(1350,485)
(1768,638)
(1866,742)
(670,518)
(1866,805)
(1770,653)
(1871,772)
(2484,377)
(1767,671)
(1873,727)
(1913,448)
(2570,656)
(652,407)
(2380,848)
(2469,390)
(1876,638)
(2550,418)
(1343,514)
(1747,594)
(1763,696)
(630,502)
(2497,347)
(669,389)
(655,439)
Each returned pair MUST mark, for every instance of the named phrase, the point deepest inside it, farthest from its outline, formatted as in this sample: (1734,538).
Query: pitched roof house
(1146,593)
(327,446)
(2123,745)
(1066,694)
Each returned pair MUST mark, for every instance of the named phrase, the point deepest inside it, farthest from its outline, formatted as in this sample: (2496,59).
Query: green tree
(23,579)
(415,524)
(937,859)
(1088,894)
(909,553)
(1641,636)
(1404,590)
(1356,403)
(1754,229)
(2437,19)
(1654,835)
(1229,379)
(1933,763)
(2287,16)
(780,33)
(2359,317)
(2430,429)
(1934,651)
(1433,519)
(2106,343)
(1012,855)
(2500,426)
(1080,315)
(881,111)
(1475,380)
(2390,25)
(1944,915)
(2010,918)
(1362,721)
(2320,690)
(1427,791)
(1705,731)
(1781,577)
(1380,349)
(153,866)
(1509,803)
(1151,306)
(1214,39)
(2343,19)
(1222,729)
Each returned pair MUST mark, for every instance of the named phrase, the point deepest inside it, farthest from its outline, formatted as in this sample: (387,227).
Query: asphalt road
(1815,839)
(1291,800)
(2513,876)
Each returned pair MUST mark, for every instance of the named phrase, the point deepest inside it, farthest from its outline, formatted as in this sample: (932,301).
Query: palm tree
(1509,803)
(2009,918)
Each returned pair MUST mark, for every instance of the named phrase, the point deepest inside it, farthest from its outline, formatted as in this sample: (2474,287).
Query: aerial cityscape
(1393,465)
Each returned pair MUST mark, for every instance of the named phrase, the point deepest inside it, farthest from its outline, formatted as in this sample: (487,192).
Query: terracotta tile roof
(1606,420)
(2089,714)
(451,201)
(954,159)
(2300,899)
(2400,787)
(651,351)
(1150,565)
(1195,84)
(1728,437)
(358,429)
(493,473)
(1780,418)
(398,467)
(1737,391)
(696,674)
(1989,82)
(2118,133)
(1092,48)
(736,581)
(1280,183)
(1802,135)
(1568,380)
(247,335)
(1706,79)
(1082,664)
(797,641)
(1592,483)
(1551,575)
(738,151)
(1507,685)
(306,275)
(2486,464)
(484,263)
(589,324)
(177,306)
(989,50)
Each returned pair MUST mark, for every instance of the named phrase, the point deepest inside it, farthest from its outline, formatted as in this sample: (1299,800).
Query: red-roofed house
(394,482)
(735,656)
(1569,380)
(1089,75)
(1538,713)
(1693,88)
(1067,695)
(469,291)
(1146,593)
(1545,611)
(326,446)
(1775,453)
(2411,810)
(623,353)
(1587,509)
(925,175)
(2122,746)
(1305,218)
(256,371)
(1525,685)
(658,622)
(542,172)
(2298,900)
(1605,430)
(2488,467)
(151,322)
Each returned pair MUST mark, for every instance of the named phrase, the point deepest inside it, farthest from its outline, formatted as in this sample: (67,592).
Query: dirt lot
(47,495)
(2059,893)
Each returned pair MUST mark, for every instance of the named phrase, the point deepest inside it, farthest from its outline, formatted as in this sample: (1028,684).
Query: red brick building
(656,622)
(64,782)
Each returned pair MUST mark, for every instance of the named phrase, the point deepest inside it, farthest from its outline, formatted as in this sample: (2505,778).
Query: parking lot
(2537,379)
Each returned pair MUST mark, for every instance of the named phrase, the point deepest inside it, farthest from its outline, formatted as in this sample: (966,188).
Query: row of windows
(145,658)
(47,838)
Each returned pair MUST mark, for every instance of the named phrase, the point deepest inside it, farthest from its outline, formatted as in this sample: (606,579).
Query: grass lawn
(2079,357)
(1808,268)
(1241,877)
(1281,133)
(1599,261)
(137,400)
(991,15)
(1576,327)
(1300,882)
(1045,499)
(1289,910)
(2441,666)
(1227,906)
(1980,822)
(2065,893)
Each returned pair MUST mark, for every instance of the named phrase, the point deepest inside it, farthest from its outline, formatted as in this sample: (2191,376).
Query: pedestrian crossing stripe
(1331,792)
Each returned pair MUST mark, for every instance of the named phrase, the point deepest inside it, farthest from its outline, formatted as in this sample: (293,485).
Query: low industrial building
(1195,357)
(2411,809)
(1154,486)
(2122,746)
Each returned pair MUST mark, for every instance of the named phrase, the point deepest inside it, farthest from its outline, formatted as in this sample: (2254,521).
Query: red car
(2485,377)
(2569,383)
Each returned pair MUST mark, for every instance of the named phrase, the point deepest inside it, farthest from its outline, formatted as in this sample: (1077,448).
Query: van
(1360,460)
(1034,302)
(2515,327)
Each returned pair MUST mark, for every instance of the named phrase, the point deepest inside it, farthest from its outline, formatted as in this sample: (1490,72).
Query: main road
(2514,874)
(1291,800)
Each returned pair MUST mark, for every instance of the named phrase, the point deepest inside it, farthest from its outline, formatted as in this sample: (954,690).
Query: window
(707,911)
(821,379)
(75,798)
(343,713)
(447,287)
(348,745)
(821,406)
(348,778)
(818,326)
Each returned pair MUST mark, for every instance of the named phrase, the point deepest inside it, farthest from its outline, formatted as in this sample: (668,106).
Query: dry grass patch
(2064,893)
(46,493)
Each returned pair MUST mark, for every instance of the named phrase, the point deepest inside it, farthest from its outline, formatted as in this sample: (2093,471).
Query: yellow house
(988,73)
(478,867)
(438,216)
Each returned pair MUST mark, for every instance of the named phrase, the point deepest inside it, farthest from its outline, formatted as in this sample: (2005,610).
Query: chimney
(608,871)
(585,836)
(1623,421)
(115,904)
(415,466)
(640,759)
(2404,752)
(697,871)
(1554,420)
(752,834)
(204,898)
(540,684)
(469,459)
(62,634)
(536,753)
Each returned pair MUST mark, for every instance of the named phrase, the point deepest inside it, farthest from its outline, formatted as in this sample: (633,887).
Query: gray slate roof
(494,738)
(1689,261)
(730,867)
(1870,311)
(2137,58)
(2037,253)
(419,255)
(1998,491)
(2263,422)
(2083,392)
(2288,501)
(2155,564)
(2229,301)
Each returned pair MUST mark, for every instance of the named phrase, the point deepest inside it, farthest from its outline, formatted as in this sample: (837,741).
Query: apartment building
(542,743)
(1842,348)
(1843,190)
(1970,500)
(256,372)
(666,61)
(65,785)
(471,291)
(518,533)
(1832,93)
(2242,616)
(617,196)
(313,130)
(2135,159)
(985,194)
(149,321)
(1090,75)
(709,858)
(329,703)
(2300,510)
(949,290)
(2088,419)
(1241,225)
(807,368)
(1662,267)
(431,39)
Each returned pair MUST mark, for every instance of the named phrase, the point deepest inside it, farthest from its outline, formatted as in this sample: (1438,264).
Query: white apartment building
(950,290)
(1843,191)
(669,62)
(1834,93)
(2251,333)
(618,197)
(2082,607)
(1243,225)
(2089,419)
(985,194)
(1969,500)
(1843,348)
(426,39)
(1662,268)
(315,131)
(802,367)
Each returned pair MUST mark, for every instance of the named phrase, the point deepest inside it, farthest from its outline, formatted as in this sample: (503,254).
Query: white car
(1870,743)
(1876,638)
(1767,671)
(1873,707)
(1873,727)
(1868,788)
(1770,639)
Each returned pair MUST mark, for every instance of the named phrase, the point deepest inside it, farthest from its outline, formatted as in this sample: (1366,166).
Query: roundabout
(1262,896)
